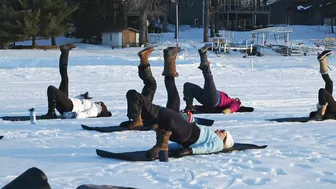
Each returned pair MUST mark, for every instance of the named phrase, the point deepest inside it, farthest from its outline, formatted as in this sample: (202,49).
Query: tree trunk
(164,24)
(206,21)
(216,22)
(177,15)
(34,45)
(142,29)
(332,24)
(53,41)
(216,17)
(212,30)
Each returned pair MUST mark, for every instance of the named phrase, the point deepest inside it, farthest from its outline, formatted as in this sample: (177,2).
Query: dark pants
(58,98)
(207,96)
(142,103)
(183,132)
(325,95)
(173,95)
(149,82)
(136,102)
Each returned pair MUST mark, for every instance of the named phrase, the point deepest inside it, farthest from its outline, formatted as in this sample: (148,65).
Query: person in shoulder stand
(212,100)
(77,107)
(326,103)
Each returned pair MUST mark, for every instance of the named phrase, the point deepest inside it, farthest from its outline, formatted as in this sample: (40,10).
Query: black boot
(67,47)
(320,112)
(324,54)
(51,109)
(49,115)
(204,58)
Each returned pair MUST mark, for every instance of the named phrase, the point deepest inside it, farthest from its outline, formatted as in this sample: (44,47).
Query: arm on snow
(84,96)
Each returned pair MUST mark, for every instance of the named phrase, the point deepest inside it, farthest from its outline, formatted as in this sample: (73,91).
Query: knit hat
(228,142)
(104,112)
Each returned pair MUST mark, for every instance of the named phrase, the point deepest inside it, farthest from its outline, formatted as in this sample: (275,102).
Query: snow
(300,7)
(299,155)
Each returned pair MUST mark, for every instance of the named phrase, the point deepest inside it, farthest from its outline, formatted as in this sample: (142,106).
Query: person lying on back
(71,107)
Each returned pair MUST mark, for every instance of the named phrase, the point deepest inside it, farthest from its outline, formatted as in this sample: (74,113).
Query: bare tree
(206,20)
(145,7)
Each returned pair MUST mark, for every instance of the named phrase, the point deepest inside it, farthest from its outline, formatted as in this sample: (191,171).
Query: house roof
(120,30)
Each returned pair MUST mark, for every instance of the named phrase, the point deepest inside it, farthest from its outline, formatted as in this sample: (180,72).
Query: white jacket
(85,108)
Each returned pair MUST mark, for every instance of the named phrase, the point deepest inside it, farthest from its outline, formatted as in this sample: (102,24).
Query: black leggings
(137,102)
(58,98)
(63,103)
(173,95)
(183,132)
(208,96)
(325,95)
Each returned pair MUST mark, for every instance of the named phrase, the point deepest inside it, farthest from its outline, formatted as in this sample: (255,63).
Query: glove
(182,152)
(69,115)
(86,96)
(227,111)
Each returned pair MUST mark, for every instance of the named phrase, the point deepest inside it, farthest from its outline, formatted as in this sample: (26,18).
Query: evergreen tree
(31,18)
(11,23)
(55,13)
(23,19)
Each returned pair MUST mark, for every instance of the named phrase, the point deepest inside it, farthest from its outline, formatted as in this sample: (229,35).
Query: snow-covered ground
(299,155)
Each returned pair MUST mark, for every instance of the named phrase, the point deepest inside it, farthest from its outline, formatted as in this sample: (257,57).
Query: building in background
(297,12)
(232,14)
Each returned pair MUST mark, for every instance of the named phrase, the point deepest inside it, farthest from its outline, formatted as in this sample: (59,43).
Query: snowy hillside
(299,155)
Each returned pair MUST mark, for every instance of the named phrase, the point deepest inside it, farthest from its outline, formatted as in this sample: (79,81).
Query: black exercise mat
(245,109)
(291,119)
(141,155)
(203,110)
(111,129)
(123,126)
(22,118)
(204,121)
(90,186)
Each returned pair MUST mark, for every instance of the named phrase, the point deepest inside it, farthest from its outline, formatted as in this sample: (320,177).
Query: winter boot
(170,55)
(144,55)
(323,59)
(204,58)
(320,112)
(162,139)
(135,123)
(67,47)
(51,110)
(50,115)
